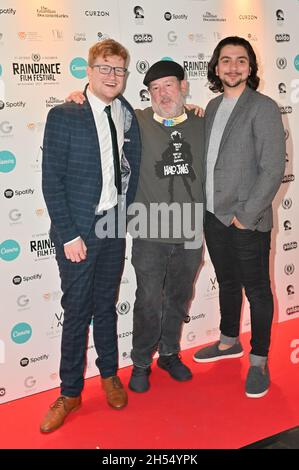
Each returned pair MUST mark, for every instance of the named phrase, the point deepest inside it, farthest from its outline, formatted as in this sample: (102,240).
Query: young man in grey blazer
(245,159)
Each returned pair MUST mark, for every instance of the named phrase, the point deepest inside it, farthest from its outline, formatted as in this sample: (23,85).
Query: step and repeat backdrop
(43,52)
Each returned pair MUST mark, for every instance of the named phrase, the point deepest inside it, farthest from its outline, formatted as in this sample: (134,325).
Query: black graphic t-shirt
(172,164)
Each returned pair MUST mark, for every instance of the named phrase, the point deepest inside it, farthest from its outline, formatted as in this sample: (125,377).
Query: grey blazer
(250,162)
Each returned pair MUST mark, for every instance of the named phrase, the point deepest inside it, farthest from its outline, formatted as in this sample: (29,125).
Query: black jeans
(165,274)
(241,259)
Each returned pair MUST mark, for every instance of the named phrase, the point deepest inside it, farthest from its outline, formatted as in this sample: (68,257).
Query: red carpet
(209,412)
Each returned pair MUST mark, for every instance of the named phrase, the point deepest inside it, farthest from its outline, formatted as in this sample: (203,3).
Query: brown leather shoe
(58,412)
(115,393)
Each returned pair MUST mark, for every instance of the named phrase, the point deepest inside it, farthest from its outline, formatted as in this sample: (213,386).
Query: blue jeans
(165,273)
(241,259)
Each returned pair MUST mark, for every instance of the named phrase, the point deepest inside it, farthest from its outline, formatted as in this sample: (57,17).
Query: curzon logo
(78,67)
(97,13)
(7,161)
(21,333)
(9,250)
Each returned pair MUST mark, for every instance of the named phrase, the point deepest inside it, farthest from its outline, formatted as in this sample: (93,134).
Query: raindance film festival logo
(43,248)
(36,70)
(197,67)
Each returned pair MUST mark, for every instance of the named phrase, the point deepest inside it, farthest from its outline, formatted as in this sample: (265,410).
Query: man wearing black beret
(171,176)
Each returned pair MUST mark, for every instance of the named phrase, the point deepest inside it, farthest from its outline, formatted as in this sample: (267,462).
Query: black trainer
(174,366)
(139,381)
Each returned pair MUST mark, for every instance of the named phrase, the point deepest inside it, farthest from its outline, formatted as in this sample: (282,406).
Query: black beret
(163,68)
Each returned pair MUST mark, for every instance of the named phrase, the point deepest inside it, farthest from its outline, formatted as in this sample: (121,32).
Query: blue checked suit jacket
(71,169)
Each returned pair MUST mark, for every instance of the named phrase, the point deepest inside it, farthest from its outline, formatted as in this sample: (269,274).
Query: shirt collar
(96,103)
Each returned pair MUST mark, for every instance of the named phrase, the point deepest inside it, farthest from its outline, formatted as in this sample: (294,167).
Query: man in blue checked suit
(91,157)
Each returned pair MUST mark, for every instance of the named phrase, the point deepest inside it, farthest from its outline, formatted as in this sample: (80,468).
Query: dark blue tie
(117,177)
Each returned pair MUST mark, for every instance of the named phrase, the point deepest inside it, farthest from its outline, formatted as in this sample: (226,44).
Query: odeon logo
(9,250)
(7,161)
(78,67)
(21,333)
(296,62)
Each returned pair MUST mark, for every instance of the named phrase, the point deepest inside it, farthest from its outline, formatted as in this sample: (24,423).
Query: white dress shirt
(108,198)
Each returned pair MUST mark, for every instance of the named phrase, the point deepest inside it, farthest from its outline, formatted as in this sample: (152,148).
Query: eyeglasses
(107,69)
